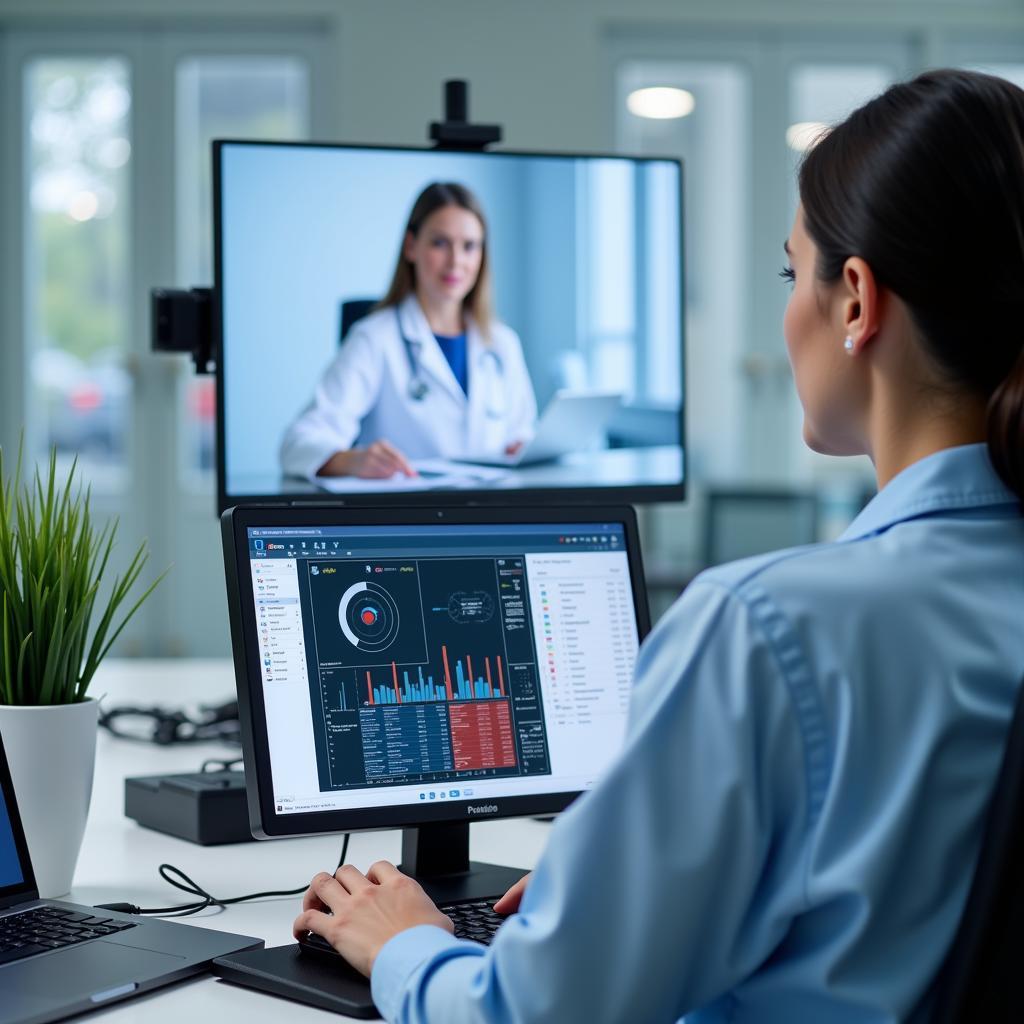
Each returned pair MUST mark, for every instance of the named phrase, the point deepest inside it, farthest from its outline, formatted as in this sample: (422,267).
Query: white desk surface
(119,858)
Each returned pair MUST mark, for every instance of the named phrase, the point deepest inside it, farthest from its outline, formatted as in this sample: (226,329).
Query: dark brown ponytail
(926,183)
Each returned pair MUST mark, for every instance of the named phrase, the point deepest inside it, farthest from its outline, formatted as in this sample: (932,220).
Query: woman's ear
(860,309)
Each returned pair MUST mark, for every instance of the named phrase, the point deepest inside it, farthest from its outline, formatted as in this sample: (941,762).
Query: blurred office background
(108,107)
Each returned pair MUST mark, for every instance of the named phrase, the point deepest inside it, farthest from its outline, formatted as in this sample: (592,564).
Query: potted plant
(55,629)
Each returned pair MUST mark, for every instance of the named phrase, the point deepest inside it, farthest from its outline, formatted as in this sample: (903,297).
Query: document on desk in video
(424,669)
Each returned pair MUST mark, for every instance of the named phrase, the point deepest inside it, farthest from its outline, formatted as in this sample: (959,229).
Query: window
(220,97)
(713,141)
(77,277)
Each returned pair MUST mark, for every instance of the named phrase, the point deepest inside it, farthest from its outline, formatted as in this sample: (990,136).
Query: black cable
(216,722)
(207,899)
(219,764)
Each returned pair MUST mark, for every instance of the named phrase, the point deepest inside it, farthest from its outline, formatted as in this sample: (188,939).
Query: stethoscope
(494,405)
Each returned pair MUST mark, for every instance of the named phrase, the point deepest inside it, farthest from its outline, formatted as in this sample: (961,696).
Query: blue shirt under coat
(790,832)
(454,348)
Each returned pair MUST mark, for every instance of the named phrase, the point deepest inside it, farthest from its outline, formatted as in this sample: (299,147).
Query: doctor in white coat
(430,373)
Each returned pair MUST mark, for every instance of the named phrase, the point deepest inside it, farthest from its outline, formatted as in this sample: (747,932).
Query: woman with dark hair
(791,830)
(430,373)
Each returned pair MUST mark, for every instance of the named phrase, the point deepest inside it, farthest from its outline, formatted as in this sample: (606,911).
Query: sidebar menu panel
(587,641)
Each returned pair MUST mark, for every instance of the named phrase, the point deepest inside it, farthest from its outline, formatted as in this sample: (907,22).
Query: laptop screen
(16,879)
(10,863)
(410,664)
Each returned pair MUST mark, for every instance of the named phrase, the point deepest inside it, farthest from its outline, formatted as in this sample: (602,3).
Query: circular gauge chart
(368,616)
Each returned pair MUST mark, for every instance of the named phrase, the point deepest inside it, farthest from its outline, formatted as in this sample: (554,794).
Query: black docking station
(208,808)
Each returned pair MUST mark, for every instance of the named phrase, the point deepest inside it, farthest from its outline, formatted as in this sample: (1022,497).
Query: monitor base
(437,856)
(480,882)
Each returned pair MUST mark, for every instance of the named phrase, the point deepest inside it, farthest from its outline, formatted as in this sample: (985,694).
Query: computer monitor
(584,347)
(424,668)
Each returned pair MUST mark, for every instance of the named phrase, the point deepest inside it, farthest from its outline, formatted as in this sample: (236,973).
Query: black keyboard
(476,921)
(45,928)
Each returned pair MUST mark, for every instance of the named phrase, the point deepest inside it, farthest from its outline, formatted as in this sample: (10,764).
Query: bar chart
(459,682)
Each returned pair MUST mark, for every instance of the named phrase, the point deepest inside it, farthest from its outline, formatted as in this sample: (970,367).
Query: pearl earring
(848,345)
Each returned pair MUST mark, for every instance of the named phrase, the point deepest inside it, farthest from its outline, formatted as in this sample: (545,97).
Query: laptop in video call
(58,959)
(571,422)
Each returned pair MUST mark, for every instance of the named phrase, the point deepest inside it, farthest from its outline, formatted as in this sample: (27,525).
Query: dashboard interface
(406,664)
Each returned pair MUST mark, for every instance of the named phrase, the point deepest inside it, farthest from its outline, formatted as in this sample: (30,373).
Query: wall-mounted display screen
(403,322)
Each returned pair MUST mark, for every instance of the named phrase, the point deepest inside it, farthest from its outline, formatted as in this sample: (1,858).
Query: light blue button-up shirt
(790,832)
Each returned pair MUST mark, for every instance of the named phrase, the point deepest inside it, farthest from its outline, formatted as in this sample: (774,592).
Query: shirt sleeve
(347,390)
(674,878)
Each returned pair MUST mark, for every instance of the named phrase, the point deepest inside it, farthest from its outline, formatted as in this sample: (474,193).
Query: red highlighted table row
(482,735)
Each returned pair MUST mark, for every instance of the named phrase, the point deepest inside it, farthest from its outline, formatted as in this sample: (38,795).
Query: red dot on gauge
(369,616)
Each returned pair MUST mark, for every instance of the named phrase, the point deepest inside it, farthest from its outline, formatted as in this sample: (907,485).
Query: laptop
(573,421)
(58,959)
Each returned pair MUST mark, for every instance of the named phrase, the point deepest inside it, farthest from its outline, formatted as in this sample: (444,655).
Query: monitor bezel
(609,494)
(264,820)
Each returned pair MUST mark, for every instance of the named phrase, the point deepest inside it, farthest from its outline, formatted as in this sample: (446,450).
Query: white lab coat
(364,395)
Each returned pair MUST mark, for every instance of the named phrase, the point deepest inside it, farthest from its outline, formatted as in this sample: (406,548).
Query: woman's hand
(358,913)
(376,461)
(509,903)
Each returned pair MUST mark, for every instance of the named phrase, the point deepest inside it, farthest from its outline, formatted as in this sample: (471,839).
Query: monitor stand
(437,856)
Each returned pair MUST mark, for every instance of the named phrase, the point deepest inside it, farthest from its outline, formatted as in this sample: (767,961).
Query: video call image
(423,670)
(496,320)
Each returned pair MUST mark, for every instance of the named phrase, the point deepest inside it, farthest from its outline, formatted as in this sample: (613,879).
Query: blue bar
(426,690)
(383,695)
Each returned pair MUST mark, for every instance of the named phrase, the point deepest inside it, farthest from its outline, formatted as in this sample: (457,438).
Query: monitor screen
(395,668)
(408,321)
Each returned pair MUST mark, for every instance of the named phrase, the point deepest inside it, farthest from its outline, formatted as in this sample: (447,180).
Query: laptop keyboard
(476,921)
(44,928)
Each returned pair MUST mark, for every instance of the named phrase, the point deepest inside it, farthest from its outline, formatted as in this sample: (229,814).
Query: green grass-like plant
(52,559)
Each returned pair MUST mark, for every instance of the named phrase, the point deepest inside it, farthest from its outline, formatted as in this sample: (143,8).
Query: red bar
(501,681)
(447,674)
(487,672)
(469,666)
(369,686)
(394,673)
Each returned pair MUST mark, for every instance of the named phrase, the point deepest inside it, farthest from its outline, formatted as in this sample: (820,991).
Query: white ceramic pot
(52,753)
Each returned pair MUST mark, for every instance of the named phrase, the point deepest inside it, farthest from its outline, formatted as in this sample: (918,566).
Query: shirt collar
(954,478)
